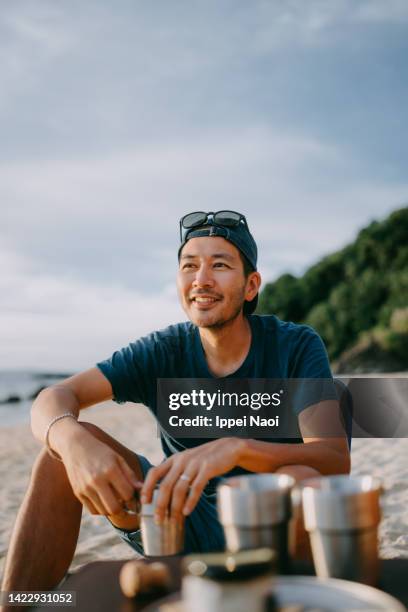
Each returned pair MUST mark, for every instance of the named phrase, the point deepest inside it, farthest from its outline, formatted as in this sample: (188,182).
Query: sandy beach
(133,426)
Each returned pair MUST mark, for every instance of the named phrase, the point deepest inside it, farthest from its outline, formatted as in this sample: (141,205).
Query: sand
(133,426)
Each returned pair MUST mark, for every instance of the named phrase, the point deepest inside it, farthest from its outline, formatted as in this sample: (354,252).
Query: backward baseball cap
(239,236)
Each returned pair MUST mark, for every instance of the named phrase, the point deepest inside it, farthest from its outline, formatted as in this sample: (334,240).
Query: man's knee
(46,466)
(45,463)
(49,471)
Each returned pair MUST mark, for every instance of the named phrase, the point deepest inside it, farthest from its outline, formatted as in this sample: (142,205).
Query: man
(218,286)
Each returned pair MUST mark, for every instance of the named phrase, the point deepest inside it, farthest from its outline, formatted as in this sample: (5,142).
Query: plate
(309,592)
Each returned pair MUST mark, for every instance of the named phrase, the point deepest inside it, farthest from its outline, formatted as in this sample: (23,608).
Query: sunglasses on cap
(224,218)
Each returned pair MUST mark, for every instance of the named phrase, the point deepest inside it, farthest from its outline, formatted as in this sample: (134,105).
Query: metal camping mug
(254,511)
(160,540)
(342,514)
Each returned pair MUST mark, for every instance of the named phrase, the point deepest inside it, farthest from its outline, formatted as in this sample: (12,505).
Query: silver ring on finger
(185,477)
(132,506)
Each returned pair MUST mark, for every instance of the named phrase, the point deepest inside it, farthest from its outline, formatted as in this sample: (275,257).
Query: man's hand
(100,477)
(198,465)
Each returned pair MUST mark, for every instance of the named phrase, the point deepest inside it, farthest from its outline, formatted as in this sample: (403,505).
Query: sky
(118,118)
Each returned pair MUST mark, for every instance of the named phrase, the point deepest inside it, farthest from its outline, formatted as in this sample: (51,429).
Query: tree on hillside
(352,291)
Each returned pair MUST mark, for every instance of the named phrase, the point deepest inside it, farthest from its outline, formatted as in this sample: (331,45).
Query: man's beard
(224,322)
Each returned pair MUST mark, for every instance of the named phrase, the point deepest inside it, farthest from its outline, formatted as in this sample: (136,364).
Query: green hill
(356,298)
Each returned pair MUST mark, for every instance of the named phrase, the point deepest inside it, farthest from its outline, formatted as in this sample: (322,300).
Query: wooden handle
(140,577)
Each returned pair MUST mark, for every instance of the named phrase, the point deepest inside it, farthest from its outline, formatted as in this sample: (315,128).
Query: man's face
(211,281)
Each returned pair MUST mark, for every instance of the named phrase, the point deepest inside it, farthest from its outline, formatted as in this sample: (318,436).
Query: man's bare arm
(99,475)
(71,395)
(325,446)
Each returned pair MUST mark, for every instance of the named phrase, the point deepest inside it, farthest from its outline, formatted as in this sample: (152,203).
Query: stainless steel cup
(254,511)
(160,540)
(342,514)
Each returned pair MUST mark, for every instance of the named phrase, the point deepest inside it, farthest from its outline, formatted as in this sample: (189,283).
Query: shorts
(203,531)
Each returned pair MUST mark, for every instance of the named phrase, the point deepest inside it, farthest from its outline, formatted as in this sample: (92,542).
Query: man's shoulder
(283,329)
(298,348)
(172,334)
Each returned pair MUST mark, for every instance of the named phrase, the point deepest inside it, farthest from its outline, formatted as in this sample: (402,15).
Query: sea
(18,389)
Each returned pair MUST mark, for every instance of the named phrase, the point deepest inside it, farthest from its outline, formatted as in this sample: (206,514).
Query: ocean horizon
(18,389)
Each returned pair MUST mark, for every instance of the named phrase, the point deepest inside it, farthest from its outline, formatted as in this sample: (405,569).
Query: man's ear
(254,281)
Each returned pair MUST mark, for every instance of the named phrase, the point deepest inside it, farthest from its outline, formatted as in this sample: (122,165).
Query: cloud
(32,36)
(318,23)
(377,11)
(115,122)
(114,219)
(91,259)
(52,322)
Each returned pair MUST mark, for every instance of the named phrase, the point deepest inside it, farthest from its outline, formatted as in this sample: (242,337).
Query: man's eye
(220,264)
(186,266)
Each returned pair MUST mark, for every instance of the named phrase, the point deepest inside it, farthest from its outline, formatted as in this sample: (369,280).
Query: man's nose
(203,277)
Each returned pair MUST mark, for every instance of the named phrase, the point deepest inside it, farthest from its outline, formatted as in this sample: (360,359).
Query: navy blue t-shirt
(278,350)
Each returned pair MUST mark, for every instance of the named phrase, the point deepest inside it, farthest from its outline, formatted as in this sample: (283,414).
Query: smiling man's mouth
(204,300)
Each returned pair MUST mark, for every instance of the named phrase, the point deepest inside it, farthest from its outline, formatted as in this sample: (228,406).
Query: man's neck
(227,347)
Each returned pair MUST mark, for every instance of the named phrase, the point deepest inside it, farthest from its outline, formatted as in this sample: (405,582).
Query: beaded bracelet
(47,433)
